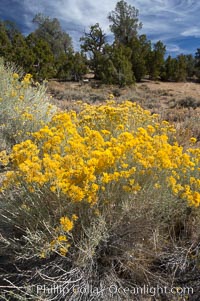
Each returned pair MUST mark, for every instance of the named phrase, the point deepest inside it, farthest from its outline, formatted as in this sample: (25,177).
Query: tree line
(48,52)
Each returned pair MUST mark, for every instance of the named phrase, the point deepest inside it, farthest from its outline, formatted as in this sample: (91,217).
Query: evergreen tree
(116,67)
(190,65)
(50,30)
(176,69)
(180,68)
(140,48)
(168,73)
(156,60)
(43,59)
(93,43)
(11,30)
(79,67)
(125,22)
(5,44)
(197,63)
(20,53)
(13,46)
(121,60)
(72,66)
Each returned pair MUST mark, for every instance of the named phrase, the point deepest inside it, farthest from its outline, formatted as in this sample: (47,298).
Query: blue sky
(175,22)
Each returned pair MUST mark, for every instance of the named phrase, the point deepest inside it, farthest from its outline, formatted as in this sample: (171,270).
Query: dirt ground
(177,89)
(169,92)
(64,91)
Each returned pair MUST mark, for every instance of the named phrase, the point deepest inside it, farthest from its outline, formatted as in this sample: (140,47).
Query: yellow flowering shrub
(60,243)
(103,155)
(4,158)
(24,108)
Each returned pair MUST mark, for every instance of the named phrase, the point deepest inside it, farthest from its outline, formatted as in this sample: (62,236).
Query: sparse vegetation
(189,102)
(101,194)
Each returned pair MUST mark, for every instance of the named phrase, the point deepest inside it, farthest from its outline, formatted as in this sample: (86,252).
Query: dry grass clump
(188,102)
(67,93)
(122,253)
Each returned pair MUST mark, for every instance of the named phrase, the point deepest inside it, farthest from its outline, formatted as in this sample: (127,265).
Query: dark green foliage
(125,26)
(156,60)
(43,60)
(197,63)
(11,30)
(94,43)
(51,31)
(125,22)
(176,69)
(47,52)
(13,46)
(79,66)
(180,73)
(39,51)
(190,65)
(168,71)
(123,68)
(140,48)
(71,66)
(21,54)
(116,66)
(5,43)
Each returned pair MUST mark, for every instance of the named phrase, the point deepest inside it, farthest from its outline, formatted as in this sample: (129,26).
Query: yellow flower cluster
(61,242)
(106,148)
(27,79)
(4,158)
(15,76)
(66,224)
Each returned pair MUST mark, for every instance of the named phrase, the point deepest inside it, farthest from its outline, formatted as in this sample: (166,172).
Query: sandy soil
(189,89)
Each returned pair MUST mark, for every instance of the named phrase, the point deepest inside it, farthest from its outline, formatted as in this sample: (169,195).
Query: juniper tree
(51,31)
(125,22)
(93,43)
